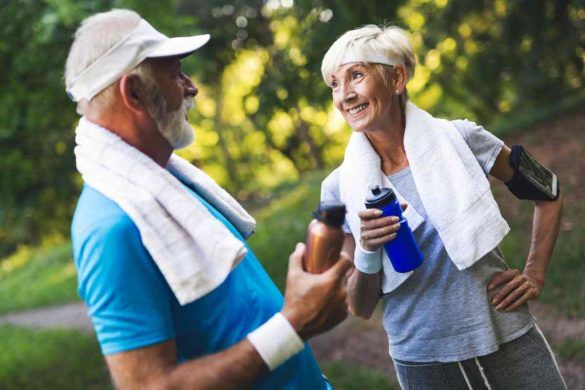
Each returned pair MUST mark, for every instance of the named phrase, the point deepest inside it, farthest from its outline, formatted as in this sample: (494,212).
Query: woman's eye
(357,75)
(334,84)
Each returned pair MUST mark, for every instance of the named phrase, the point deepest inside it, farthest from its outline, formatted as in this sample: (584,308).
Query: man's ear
(132,93)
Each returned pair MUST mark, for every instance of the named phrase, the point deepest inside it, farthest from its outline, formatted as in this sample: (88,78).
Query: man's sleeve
(483,144)
(128,299)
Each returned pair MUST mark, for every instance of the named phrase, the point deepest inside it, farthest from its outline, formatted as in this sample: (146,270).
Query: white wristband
(276,341)
(367,262)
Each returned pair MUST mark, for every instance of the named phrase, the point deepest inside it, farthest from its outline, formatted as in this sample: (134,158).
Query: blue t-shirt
(132,306)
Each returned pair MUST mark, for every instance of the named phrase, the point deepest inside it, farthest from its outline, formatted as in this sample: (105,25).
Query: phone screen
(538,175)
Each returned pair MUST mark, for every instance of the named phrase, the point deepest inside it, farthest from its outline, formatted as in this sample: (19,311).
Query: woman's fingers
(376,230)
(372,239)
(513,296)
(515,289)
(528,295)
(377,223)
(507,288)
(501,278)
(368,214)
(377,242)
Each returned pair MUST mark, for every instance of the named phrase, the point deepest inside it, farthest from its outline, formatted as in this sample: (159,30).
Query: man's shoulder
(97,214)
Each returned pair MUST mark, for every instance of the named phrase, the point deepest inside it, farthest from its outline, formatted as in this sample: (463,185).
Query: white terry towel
(452,187)
(193,250)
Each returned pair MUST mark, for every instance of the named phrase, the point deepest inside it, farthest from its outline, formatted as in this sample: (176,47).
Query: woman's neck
(388,143)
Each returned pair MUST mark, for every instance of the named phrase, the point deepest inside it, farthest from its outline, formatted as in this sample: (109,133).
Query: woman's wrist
(366,261)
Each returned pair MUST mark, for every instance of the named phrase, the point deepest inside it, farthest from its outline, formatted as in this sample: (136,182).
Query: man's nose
(190,88)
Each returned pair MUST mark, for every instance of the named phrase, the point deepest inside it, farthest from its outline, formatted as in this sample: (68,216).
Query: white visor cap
(142,42)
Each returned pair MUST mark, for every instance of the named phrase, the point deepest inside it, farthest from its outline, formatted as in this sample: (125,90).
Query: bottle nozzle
(375,189)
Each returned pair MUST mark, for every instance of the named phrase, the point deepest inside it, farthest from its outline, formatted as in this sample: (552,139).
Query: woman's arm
(518,287)
(363,289)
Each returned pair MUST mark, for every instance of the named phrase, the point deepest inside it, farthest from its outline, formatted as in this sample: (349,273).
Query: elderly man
(176,296)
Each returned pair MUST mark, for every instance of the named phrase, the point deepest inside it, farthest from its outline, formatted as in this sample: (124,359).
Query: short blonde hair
(371,40)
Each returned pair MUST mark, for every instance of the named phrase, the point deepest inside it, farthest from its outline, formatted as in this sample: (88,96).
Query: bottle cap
(330,213)
(379,197)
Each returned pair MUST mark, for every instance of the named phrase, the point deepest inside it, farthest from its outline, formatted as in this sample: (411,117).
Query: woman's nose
(349,96)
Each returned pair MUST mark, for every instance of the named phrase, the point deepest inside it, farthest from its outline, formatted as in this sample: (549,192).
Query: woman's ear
(399,78)
(132,93)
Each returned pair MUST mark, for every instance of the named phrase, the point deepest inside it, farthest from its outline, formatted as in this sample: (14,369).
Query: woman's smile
(357,109)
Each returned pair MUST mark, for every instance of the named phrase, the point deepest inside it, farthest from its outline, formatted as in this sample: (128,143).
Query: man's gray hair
(369,41)
(95,36)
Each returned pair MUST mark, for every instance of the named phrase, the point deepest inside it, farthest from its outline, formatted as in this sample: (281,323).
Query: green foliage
(570,349)
(351,377)
(37,277)
(282,223)
(50,359)
(38,183)
(59,359)
(266,114)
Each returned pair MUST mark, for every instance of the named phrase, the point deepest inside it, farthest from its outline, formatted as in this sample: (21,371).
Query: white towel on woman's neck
(450,182)
(193,250)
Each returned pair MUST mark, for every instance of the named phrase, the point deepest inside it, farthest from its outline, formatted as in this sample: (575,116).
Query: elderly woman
(460,320)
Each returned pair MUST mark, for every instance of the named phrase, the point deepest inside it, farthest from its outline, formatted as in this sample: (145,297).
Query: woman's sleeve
(330,193)
(483,144)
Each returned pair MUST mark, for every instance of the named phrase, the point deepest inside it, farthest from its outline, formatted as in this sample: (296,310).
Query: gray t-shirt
(440,313)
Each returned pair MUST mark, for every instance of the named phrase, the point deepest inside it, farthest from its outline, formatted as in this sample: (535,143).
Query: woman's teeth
(357,109)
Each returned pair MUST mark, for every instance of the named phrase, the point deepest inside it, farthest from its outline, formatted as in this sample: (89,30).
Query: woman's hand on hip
(376,230)
(513,288)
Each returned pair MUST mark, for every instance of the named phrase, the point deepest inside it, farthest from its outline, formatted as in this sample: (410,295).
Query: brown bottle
(324,237)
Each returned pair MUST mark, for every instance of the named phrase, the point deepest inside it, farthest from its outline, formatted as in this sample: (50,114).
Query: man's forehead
(165,63)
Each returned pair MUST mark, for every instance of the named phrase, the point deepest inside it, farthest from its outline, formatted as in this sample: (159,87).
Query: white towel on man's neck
(452,187)
(193,250)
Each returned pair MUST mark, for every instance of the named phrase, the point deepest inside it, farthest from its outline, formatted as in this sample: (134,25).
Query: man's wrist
(276,341)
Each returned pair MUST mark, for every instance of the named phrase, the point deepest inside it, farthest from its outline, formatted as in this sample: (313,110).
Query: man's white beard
(175,127)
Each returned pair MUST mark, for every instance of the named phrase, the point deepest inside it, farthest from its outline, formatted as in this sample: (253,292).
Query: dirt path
(67,316)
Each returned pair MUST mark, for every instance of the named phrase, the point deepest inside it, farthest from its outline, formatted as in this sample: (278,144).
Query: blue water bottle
(403,251)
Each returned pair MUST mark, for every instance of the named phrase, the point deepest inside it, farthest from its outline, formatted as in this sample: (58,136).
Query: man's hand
(513,288)
(315,303)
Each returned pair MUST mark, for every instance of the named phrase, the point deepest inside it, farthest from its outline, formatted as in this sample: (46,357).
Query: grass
(50,359)
(282,223)
(59,359)
(349,377)
(37,277)
(571,349)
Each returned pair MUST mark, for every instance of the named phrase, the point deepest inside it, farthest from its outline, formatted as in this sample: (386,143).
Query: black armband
(531,180)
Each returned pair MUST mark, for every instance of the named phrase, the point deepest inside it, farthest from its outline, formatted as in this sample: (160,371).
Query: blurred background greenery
(266,130)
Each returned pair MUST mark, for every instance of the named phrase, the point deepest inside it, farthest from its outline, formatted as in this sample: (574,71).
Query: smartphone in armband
(531,180)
